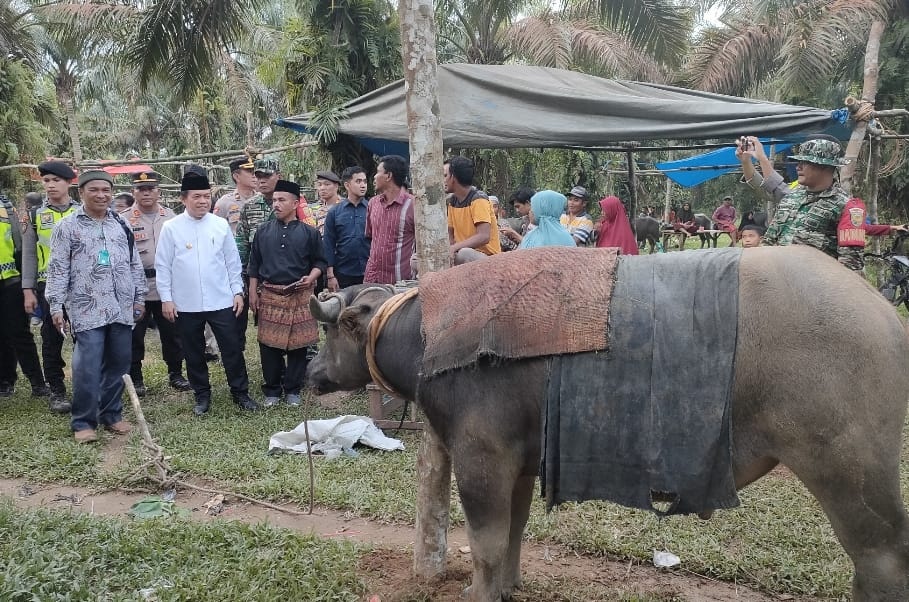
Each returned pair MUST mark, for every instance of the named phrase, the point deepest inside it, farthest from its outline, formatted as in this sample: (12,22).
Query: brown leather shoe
(85,436)
(120,428)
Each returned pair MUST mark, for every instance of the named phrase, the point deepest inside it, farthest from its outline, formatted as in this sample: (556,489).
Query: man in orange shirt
(472,227)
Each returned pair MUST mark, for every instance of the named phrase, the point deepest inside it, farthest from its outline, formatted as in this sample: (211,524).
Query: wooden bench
(382,404)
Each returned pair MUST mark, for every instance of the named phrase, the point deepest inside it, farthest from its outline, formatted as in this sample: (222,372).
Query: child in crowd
(751,236)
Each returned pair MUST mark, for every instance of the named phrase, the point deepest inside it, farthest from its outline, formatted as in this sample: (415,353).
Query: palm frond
(542,39)
(732,58)
(661,27)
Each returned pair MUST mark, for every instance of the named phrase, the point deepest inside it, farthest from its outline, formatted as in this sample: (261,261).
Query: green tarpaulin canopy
(520,106)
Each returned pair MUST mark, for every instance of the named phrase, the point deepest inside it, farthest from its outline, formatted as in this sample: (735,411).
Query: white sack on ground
(331,436)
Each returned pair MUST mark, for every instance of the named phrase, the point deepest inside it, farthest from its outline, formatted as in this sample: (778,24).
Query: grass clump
(66,556)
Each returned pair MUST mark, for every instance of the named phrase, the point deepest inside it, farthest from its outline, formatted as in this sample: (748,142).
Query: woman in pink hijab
(615,231)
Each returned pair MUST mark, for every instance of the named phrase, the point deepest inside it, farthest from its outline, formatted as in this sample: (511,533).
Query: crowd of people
(105,269)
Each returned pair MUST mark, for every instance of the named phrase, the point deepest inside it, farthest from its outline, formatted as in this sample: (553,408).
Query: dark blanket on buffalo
(533,303)
(649,420)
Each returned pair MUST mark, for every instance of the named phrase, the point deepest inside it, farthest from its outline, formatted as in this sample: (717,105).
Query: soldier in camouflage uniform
(255,212)
(815,212)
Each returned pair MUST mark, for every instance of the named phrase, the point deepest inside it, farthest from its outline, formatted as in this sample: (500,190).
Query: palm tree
(639,39)
(798,48)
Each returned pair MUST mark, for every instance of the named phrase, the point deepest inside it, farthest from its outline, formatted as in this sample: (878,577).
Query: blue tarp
(691,171)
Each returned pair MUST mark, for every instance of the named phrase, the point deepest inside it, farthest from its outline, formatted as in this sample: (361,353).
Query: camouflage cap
(267,166)
(820,152)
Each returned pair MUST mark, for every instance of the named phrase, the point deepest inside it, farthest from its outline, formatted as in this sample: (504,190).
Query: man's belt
(150,273)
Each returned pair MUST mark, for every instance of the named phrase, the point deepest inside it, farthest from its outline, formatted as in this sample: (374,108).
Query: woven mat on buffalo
(522,304)
(649,420)
(284,318)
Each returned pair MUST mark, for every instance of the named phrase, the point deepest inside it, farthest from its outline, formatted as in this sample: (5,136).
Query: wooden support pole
(869,94)
(418,49)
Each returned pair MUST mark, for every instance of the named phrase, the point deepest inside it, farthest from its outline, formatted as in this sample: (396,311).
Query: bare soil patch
(387,569)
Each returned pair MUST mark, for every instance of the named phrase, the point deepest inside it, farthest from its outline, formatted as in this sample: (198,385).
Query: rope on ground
(160,463)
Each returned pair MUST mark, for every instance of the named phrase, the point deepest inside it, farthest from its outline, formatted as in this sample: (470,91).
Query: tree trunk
(65,98)
(869,93)
(418,49)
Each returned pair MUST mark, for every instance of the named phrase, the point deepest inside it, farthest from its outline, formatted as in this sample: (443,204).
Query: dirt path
(387,569)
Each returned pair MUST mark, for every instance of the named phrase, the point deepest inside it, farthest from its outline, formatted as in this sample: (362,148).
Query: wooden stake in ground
(418,49)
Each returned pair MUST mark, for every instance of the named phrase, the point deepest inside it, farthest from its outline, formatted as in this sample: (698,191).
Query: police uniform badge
(857,216)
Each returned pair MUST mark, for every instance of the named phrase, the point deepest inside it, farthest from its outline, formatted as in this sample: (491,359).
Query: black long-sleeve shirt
(283,253)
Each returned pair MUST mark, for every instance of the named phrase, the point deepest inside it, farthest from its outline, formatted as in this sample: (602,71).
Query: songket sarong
(284,318)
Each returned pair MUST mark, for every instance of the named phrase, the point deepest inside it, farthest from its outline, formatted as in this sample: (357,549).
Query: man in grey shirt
(96,271)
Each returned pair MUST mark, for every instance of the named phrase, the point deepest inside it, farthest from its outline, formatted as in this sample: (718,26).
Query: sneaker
(211,357)
(245,402)
(178,382)
(121,427)
(41,390)
(202,406)
(141,389)
(36,321)
(85,436)
(271,402)
(58,403)
(6,390)
(293,399)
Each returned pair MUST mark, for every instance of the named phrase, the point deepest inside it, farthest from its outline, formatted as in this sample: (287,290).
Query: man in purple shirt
(724,219)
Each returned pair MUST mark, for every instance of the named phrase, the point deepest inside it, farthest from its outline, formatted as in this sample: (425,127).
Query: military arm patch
(850,231)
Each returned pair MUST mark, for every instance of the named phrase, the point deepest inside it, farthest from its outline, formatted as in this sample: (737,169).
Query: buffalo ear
(354,321)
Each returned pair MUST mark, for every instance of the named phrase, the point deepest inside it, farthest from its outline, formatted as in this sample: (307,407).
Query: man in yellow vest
(36,237)
(15,335)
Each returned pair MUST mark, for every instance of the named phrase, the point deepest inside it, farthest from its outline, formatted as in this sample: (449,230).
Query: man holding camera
(817,212)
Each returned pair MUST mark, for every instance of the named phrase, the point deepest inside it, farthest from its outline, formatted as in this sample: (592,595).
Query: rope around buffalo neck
(376,324)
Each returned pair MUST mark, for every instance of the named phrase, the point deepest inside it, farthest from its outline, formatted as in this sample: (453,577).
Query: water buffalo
(647,230)
(707,240)
(820,386)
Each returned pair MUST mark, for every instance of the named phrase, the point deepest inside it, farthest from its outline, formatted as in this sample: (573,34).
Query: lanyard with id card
(103,254)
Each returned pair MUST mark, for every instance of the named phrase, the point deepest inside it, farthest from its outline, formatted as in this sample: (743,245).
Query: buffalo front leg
(861,497)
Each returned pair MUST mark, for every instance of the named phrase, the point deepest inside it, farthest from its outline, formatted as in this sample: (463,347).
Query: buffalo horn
(327,309)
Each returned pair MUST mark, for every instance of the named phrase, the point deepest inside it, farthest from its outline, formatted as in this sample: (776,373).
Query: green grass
(778,541)
(69,556)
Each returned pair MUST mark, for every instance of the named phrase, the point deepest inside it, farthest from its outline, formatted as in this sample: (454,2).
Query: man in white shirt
(198,276)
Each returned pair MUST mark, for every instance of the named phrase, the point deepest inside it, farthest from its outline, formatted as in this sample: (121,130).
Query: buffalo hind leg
(520,510)
(486,484)
(861,498)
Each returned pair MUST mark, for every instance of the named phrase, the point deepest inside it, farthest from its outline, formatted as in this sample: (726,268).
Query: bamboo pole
(174,159)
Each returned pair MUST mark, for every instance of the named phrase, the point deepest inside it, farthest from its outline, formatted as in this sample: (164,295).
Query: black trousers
(171,347)
(344,280)
(191,328)
(279,376)
(51,345)
(16,337)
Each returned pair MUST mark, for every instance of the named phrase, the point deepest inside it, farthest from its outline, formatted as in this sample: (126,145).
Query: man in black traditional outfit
(285,262)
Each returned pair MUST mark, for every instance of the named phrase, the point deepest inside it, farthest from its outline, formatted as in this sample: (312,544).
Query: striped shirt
(579,226)
(390,227)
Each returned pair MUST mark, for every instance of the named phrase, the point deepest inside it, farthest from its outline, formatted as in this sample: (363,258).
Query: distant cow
(647,230)
(703,222)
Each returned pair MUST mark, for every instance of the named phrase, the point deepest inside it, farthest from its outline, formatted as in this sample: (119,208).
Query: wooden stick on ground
(159,461)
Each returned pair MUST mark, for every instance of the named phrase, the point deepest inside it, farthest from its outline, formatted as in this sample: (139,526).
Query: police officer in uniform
(146,218)
(15,335)
(36,237)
